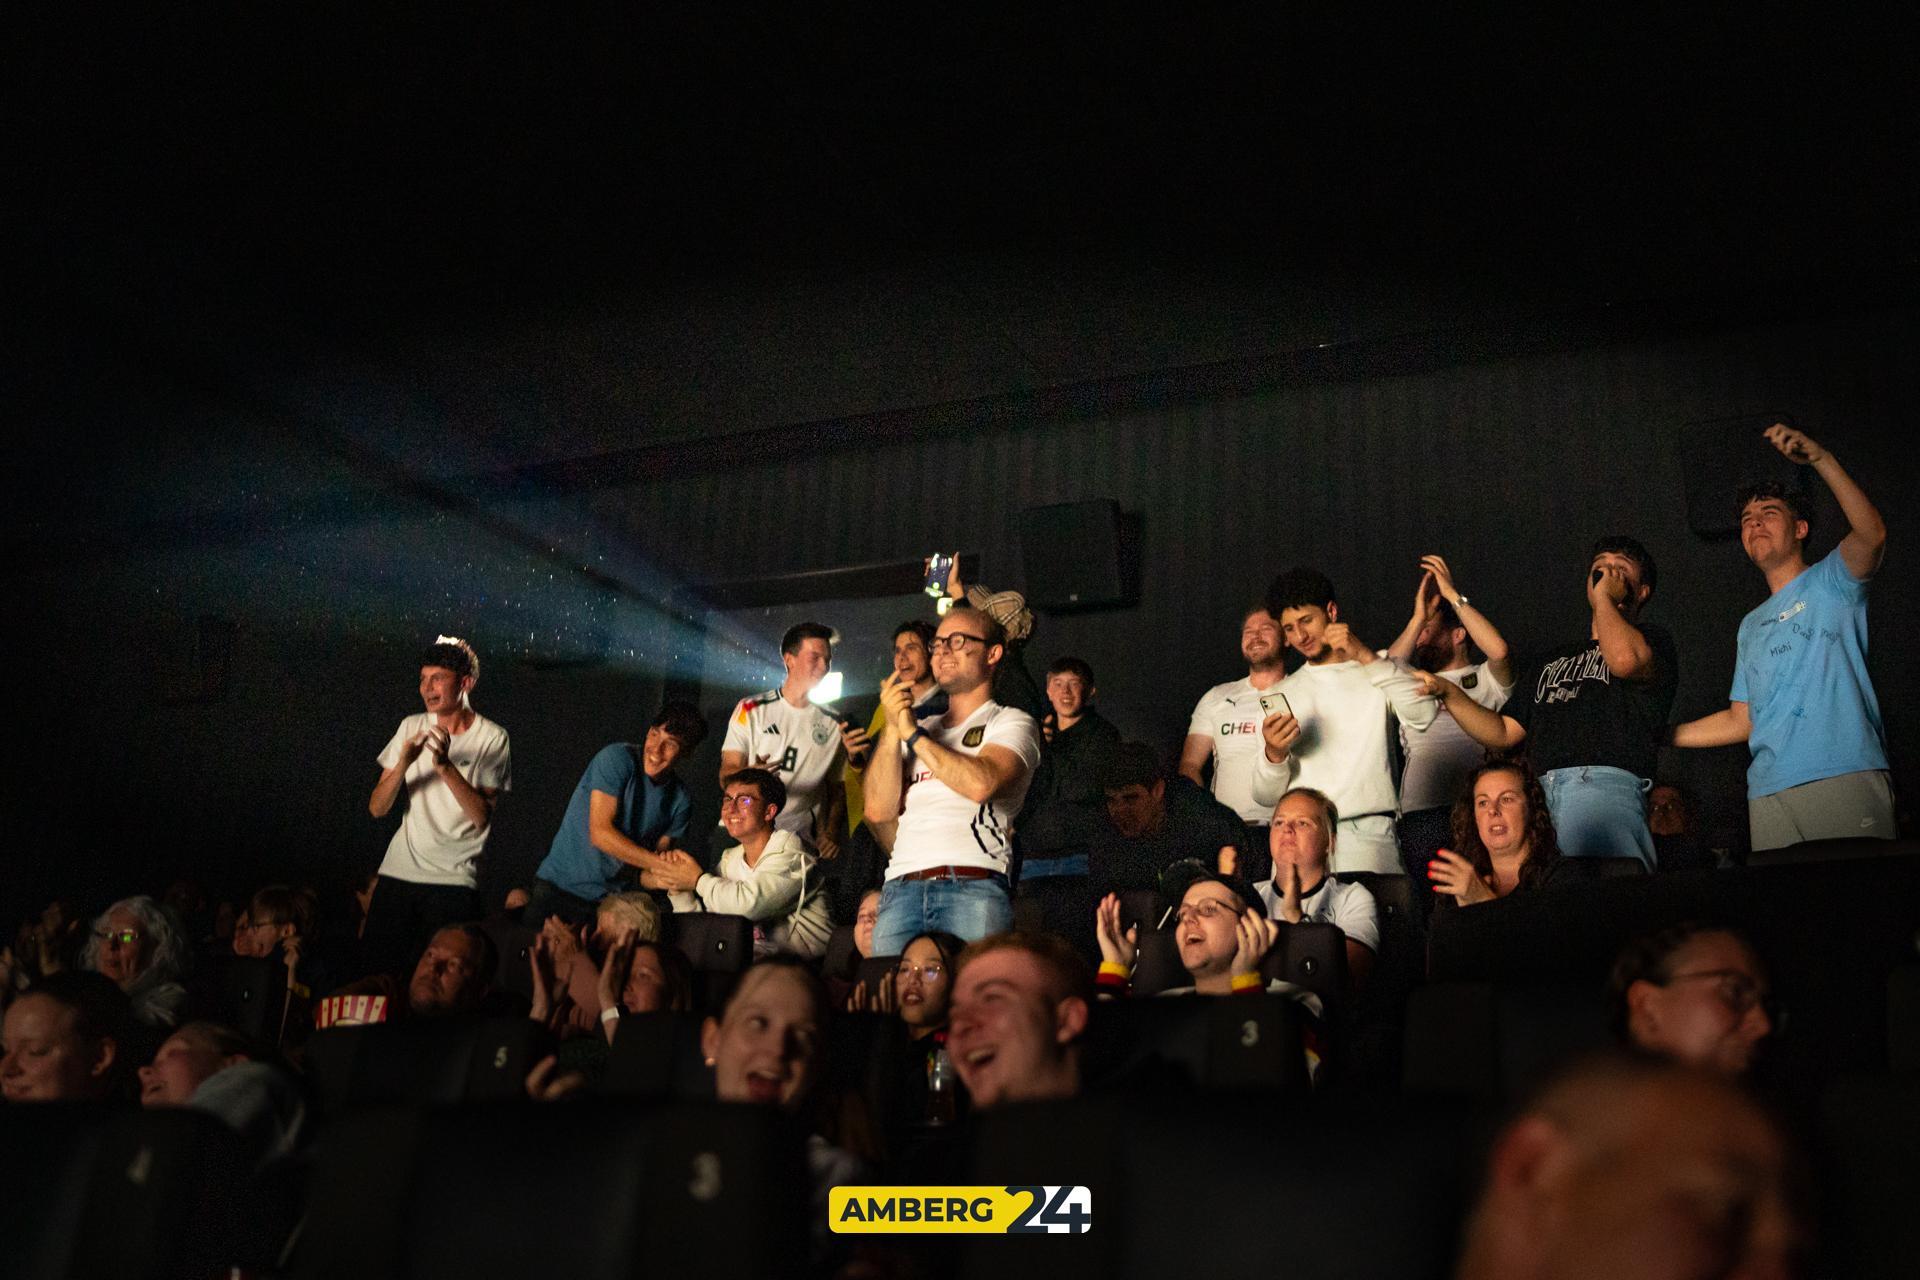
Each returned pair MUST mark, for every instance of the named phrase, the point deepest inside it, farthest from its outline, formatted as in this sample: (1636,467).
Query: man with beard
(944,791)
(1441,638)
(1225,728)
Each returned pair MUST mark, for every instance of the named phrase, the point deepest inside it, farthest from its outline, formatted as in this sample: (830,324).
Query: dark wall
(1509,468)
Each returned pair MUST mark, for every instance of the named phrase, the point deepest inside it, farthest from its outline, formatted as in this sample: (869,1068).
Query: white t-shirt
(800,744)
(437,843)
(1345,712)
(1229,716)
(939,827)
(1349,907)
(1440,756)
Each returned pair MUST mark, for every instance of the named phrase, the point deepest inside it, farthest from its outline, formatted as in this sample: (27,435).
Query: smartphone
(1274,701)
(938,567)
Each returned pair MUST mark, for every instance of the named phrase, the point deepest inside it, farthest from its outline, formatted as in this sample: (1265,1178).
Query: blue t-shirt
(648,810)
(1802,671)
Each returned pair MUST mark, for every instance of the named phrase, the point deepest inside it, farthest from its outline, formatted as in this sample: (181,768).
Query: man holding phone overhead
(1329,723)
(1801,696)
(1592,714)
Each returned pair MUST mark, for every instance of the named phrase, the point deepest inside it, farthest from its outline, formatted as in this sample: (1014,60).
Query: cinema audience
(1695,993)
(139,946)
(1504,839)
(1303,889)
(453,976)
(67,1039)
(1222,931)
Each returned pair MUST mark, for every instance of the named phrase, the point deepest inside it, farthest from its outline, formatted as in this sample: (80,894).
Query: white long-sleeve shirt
(790,913)
(1346,714)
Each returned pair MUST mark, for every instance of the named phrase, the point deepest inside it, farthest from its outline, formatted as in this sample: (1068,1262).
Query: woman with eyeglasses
(1695,993)
(1503,839)
(919,992)
(136,943)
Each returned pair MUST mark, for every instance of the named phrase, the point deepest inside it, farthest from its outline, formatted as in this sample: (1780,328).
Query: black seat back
(253,997)
(692,1190)
(158,1192)
(714,943)
(1310,955)
(1244,1042)
(841,955)
(512,942)
(424,1060)
(1844,849)
(1492,1042)
(655,1056)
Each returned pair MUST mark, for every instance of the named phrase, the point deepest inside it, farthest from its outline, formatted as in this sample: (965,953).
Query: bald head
(1625,1169)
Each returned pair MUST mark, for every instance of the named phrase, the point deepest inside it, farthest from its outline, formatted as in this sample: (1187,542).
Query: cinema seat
(1492,1043)
(875,969)
(656,1056)
(512,941)
(424,1060)
(1313,956)
(1234,1043)
(1847,849)
(1868,1176)
(713,943)
(1206,1185)
(588,1190)
(130,1194)
(253,997)
(841,955)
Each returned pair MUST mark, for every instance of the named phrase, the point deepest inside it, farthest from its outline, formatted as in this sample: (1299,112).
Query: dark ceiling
(577,232)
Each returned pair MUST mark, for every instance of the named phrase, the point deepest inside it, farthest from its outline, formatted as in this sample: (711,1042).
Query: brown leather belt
(957,873)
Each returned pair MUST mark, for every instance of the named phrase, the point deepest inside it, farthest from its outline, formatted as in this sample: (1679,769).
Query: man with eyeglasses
(946,788)
(627,811)
(768,877)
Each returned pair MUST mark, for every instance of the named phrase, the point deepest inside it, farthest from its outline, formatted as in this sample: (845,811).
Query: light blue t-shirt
(1802,671)
(647,811)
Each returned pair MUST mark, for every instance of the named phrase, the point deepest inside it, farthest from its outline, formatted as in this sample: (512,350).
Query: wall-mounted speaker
(1720,456)
(1077,555)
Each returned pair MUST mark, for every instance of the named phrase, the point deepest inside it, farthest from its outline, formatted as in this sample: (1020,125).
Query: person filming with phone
(1592,714)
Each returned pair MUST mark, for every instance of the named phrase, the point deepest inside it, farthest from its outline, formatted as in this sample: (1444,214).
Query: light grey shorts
(1852,804)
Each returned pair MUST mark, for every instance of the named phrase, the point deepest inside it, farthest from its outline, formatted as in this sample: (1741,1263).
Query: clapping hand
(1290,895)
(1255,936)
(678,872)
(879,998)
(896,699)
(1442,578)
(1117,946)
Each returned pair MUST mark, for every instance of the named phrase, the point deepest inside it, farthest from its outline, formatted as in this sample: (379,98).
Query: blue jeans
(970,909)
(1600,812)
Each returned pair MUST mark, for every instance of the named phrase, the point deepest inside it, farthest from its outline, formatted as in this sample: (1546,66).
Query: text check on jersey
(1012,1211)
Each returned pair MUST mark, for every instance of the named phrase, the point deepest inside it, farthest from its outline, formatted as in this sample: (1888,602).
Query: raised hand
(547,1083)
(1348,646)
(1454,875)
(1442,577)
(1797,446)
(438,742)
(1424,597)
(1254,937)
(1228,863)
(1117,946)
(1608,582)
(613,974)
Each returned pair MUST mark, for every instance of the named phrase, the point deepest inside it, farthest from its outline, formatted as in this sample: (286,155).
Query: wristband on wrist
(918,733)
(610,1014)
(1247,982)
(1112,968)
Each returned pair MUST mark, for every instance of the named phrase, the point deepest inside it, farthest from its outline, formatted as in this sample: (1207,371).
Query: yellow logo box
(960,1210)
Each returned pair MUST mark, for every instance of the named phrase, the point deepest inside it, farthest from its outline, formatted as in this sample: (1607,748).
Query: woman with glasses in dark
(919,992)
(138,945)
(1695,993)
